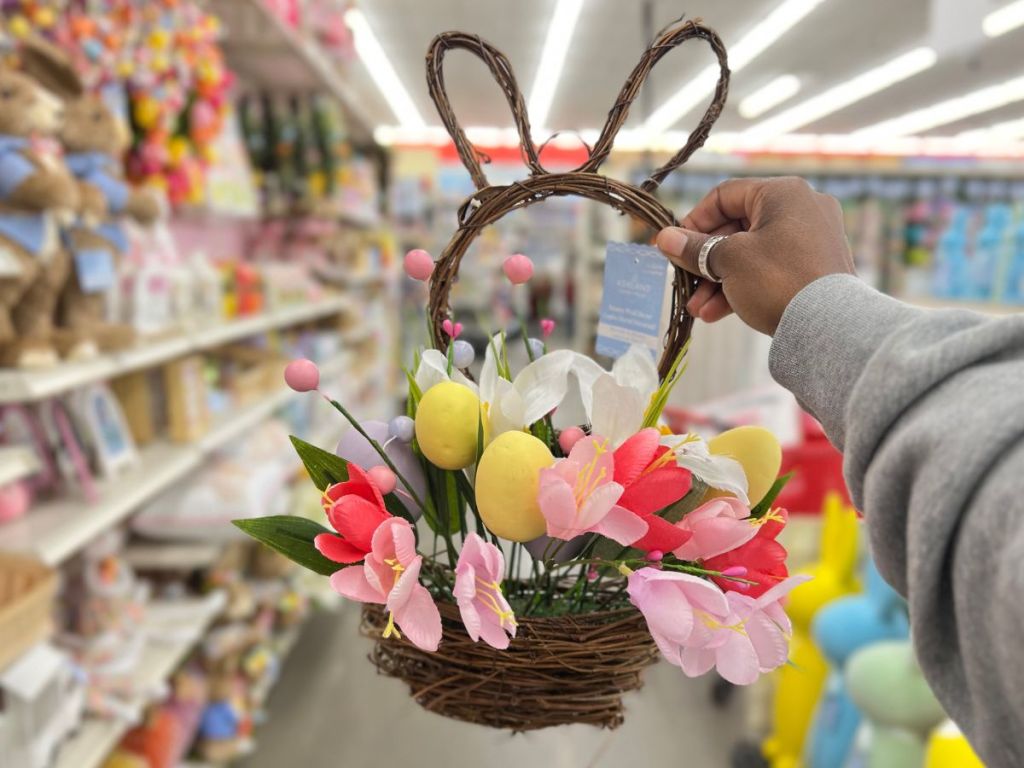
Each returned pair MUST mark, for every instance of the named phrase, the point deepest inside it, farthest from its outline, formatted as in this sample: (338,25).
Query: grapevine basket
(569,668)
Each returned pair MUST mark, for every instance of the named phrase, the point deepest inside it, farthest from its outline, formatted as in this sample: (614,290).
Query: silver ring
(705,254)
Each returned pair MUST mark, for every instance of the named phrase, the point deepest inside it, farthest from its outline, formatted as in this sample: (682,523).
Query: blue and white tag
(636,294)
(95,270)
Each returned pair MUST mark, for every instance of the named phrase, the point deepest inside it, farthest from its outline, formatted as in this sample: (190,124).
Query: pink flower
(752,638)
(697,626)
(578,495)
(718,526)
(652,481)
(390,576)
(669,601)
(485,611)
(355,509)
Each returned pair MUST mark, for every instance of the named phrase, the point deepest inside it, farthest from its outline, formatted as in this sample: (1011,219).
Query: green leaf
(676,512)
(324,468)
(397,508)
(765,504)
(293,538)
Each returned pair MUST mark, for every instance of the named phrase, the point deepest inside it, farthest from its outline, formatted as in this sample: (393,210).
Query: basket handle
(673,35)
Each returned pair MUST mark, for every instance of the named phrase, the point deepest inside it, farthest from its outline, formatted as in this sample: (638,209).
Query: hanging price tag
(636,293)
(95,270)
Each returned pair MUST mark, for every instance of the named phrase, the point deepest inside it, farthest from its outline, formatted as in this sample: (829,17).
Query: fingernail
(672,240)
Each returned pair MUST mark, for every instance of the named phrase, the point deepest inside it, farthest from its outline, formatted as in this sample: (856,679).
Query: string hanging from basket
(491,203)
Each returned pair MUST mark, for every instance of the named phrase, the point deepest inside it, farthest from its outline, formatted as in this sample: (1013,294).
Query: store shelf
(16,462)
(174,629)
(55,530)
(265,51)
(22,386)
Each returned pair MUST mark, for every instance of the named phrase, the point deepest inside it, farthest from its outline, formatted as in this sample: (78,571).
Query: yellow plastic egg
(447,420)
(759,453)
(507,480)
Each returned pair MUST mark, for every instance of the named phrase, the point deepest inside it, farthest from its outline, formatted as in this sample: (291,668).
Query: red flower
(652,481)
(355,508)
(762,556)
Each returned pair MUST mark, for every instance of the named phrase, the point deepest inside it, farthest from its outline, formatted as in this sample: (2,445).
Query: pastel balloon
(355,448)
(418,264)
(518,268)
(302,375)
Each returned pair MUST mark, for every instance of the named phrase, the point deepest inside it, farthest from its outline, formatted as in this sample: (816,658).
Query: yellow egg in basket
(507,480)
(447,420)
(759,453)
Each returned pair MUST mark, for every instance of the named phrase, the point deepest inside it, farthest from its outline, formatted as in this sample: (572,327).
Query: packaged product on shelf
(43,702)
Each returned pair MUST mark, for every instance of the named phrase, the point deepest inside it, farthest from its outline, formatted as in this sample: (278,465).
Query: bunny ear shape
(51,67)
(502,71)
(670,37)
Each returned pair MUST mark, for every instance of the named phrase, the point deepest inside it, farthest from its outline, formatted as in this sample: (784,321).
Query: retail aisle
(331,710)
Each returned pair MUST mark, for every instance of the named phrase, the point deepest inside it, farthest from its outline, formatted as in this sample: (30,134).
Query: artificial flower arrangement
(526,543)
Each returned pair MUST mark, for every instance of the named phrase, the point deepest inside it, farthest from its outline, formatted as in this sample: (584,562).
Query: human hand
(782,236)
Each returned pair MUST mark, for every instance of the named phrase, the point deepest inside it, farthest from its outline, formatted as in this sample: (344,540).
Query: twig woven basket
(571,668)
(557,670)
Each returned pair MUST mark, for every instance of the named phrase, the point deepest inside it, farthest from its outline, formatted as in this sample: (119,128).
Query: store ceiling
(839,39)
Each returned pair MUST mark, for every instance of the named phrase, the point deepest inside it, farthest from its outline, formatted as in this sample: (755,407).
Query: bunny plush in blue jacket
(840,629)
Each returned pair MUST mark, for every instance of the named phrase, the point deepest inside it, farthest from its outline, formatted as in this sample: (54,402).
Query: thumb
(682,247)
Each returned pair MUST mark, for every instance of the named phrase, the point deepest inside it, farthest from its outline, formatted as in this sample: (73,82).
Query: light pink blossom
(578,495)
(389,576)
(751,639)
(718,526)
(485,611)
(697,626)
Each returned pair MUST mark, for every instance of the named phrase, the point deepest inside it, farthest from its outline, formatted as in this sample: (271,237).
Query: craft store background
(292,155)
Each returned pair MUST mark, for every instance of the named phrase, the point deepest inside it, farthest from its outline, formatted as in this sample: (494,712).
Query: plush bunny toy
(94,139)
(36,191)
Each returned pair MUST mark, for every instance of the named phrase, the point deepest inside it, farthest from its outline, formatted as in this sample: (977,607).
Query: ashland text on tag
(635,299)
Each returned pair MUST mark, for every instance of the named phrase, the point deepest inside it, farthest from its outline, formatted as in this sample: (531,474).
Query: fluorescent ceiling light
(748,48)
(1005,131)
(379,67)
(949,111)
(552,59)
(777,91)
(846,93)
(1007,18)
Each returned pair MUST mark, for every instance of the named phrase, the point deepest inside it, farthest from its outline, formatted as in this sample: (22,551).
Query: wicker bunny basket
(558,669)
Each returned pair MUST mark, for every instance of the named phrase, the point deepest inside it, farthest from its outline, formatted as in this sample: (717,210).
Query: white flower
(618,400)
(719,472)
(433,369)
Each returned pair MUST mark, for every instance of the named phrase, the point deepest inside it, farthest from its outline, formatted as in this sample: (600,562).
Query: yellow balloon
(447,420)
(507,480)
(759,453)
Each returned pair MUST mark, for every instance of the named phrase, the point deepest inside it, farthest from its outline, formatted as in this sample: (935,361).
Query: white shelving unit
(25,386)
(174,629)
(16,462)
(263,49)
(54,531)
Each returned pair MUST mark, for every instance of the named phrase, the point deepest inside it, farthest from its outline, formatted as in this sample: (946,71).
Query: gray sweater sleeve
(928,408)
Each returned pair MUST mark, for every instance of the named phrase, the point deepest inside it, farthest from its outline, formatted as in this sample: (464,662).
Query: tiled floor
(331,710)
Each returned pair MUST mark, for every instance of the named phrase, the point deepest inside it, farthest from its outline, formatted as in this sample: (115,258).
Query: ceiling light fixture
(748,48)
(552,59)
(777,91)
(384,75)
(847,93)
(948,111)
(1004,20)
